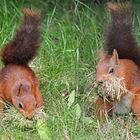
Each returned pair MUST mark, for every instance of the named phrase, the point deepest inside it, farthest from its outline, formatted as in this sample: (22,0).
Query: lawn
(72,33)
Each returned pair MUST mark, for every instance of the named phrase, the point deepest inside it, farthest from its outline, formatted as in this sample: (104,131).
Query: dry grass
(114,87)
(12,118)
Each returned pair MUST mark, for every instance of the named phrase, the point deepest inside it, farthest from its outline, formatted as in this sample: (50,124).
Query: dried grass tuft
(12,118)
(114,87)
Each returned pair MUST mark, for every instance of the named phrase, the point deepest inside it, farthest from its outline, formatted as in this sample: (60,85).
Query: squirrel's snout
(30,115)
(27,114)
(100,82)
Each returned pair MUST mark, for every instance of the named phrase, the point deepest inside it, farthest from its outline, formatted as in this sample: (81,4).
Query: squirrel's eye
(21,106)
(111,70)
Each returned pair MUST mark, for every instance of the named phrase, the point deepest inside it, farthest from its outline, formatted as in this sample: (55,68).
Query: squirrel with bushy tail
(121,61)
(18,83)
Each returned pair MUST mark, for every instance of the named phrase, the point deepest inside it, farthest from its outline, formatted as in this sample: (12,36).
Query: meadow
(72,33)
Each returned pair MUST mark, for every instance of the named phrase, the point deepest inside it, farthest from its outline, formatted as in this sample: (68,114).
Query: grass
(72,34)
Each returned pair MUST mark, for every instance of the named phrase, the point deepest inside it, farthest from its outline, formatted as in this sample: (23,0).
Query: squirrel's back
(119,34)
(26,42)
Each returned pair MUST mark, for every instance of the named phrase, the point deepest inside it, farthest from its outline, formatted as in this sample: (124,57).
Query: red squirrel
(18,83)
(121,61)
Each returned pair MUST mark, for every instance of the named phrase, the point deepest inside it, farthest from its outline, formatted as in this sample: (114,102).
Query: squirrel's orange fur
(122,61)
(18,83)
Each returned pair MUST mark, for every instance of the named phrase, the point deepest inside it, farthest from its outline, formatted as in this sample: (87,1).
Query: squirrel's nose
(100,82)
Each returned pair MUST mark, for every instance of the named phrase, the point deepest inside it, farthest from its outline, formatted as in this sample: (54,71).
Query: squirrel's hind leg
(136,106)
(1,107)
(38,96)
(102,108)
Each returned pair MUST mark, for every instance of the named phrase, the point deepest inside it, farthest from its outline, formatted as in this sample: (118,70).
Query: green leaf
(78,111)
(88,120)
(43,130)
(71,98)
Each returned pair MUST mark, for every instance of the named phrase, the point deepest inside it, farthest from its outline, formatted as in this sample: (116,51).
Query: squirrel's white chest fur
(123,106)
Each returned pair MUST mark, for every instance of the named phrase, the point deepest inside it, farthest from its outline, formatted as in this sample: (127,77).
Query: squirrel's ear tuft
(115,57)
(101,53)
(21,91)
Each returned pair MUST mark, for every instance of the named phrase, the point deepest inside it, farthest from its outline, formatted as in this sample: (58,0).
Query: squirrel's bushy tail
(119,34)
(26,42)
